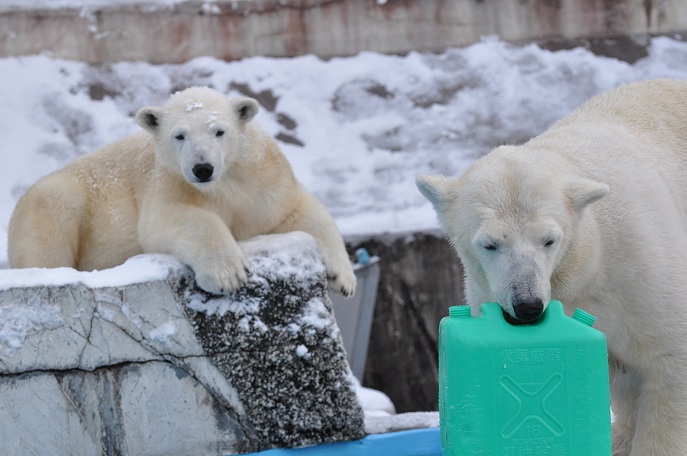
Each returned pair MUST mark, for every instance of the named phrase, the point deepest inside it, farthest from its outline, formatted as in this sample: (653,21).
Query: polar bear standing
(538,221)
(201,177)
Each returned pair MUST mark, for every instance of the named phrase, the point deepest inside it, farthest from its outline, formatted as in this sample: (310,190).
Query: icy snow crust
(368,124)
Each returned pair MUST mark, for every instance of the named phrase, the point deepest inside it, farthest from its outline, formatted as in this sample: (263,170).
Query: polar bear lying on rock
(201,177)
(593,213)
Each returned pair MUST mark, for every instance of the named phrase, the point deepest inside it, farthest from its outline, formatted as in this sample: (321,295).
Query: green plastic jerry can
(537,389)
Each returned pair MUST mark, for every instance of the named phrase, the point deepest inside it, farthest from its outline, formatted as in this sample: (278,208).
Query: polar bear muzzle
(528,309)
(203,172)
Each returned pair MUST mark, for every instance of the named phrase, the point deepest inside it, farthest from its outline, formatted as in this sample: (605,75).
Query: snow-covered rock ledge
(136,360)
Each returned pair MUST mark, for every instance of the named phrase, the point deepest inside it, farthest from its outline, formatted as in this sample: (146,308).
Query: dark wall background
(421,277)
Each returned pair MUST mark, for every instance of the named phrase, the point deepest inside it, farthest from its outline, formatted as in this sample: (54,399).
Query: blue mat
(418,442)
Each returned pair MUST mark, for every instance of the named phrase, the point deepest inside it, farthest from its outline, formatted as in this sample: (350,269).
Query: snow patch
(302,351)
(291,255)
(164,334)
(364,137)
(211,120)
(220,305)
(316,315)
(17,321)
(191,105)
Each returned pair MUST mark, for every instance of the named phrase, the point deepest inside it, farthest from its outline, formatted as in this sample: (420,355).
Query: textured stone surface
(290,352)
(151,408)
(73,326)
(235,29)
(160,367)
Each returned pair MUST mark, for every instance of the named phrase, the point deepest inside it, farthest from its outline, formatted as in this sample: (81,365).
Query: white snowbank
(369,124)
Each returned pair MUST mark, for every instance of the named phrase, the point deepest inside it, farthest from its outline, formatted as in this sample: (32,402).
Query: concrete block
(137,360)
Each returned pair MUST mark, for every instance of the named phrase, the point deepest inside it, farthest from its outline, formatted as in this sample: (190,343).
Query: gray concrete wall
(233,29)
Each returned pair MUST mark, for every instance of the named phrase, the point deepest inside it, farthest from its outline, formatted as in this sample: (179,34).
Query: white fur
(201,177)
(558,232)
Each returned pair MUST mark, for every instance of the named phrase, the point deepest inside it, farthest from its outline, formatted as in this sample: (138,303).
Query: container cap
(584,317)
(362,256)
(459,311)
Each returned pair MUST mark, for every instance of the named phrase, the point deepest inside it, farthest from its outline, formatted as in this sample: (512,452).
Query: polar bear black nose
(528,310)
(203,171)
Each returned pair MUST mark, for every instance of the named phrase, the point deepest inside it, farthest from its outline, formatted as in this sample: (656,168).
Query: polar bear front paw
(342,280)
(223,277)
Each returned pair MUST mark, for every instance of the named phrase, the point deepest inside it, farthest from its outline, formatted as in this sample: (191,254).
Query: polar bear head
(199,132)
(513,222)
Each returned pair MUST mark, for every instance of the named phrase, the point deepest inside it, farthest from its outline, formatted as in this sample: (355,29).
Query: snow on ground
(357,130)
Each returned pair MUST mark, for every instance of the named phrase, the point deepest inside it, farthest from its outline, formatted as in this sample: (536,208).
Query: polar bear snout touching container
(593,213)
(202,176)
(513,238)
(527,309)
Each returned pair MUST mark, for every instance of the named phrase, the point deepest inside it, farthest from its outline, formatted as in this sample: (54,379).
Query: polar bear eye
(549,243)
(491,243)
(180,137)
(219,133)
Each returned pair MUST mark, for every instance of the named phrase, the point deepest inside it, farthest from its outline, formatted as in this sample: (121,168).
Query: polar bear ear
(149,118)
(246,109)
(434,188)
(584,192)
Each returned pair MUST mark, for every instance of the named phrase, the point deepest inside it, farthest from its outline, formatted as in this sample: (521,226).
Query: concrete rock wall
(233,29)
(152,365)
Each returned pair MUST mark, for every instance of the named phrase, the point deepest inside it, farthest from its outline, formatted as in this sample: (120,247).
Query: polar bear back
(101,187)
(633,138)
(653,113)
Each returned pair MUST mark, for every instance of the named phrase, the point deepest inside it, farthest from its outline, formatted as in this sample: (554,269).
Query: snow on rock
(164,333)
(17,321)
(138,269)
(84,358)
(301,351)
(86,321)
